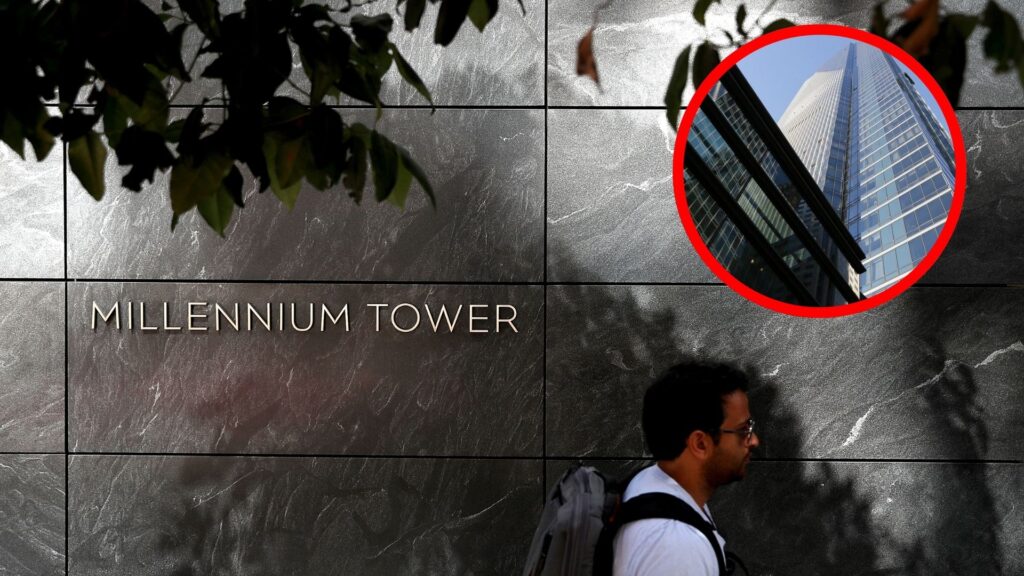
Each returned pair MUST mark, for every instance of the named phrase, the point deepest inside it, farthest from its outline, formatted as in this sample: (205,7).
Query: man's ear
(700,444)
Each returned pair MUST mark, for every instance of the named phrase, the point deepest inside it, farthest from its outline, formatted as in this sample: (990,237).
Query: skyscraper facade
(880,156)
(758,210)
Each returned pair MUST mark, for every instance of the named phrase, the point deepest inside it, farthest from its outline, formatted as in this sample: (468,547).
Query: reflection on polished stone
(139,515)
(31,514)
(397,381)
(899,382)
(487,169)
(31,367)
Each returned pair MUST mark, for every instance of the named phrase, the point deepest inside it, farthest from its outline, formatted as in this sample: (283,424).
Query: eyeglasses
(745,433)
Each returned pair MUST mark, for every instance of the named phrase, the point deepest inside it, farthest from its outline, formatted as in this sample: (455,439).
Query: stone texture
(875,518)
(612,213)
(931,375)
(636,45)
(31,514)
(333,392)
(32,221)
(31,366)
(217,515)
(487,168)
(981,250)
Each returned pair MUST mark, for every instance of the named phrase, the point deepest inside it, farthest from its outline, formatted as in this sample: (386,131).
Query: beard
(722,471)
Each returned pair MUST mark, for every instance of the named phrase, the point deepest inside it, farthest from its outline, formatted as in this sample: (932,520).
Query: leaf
(449,20)
(216,209)
(75,123)
(741,18)
(194,179)
(328,147)
(254,56)
(115,119)
(946,58)
(676,86)
(384,158)
(191,131)
(87,157)
(355,166)
(355,83)
(39,136)
(402,182)
(205,14)
(13,134)
(314,13)
(923,23)
(410,165)
(150,111)
(481,12)
(879,22)
(704,61)
(1003,42)
(371,32)
(586,64)
(414,13)
(285,165)
(409,75)
(173,131)
(963,23)
(777,25)
(323,56)
(700,9)
(233,186)
(145,152)
(284,113)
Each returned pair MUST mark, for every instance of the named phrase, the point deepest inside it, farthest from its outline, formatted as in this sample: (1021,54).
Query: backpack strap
(666,506)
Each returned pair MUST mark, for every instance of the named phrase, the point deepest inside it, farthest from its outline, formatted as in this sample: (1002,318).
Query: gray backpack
(584,512)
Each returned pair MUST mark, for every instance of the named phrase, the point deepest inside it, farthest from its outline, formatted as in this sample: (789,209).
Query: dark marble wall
(890,440)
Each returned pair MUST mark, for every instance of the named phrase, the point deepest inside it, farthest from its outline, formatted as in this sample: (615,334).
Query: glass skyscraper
(757,208)
(880,156)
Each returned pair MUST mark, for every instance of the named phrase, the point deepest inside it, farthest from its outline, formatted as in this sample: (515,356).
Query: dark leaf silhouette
(87,156)
(704,61)
(778,25)
(676,86)
(700,9)
(122,53)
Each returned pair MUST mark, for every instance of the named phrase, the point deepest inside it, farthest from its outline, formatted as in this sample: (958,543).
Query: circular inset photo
(819,171)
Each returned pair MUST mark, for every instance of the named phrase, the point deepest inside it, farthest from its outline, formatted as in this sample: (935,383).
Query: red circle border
(960,177)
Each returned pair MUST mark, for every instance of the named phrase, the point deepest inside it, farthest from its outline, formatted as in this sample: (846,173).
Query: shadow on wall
(264,517)
(791,516)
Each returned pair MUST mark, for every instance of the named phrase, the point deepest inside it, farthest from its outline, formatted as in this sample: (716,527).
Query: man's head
(699,410)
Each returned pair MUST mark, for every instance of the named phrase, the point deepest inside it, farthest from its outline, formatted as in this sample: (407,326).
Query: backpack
(584,512)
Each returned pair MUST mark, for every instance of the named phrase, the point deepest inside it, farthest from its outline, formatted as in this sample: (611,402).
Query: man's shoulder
(658,546)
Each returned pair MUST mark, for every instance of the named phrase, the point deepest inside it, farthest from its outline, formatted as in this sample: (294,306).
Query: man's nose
(754,440)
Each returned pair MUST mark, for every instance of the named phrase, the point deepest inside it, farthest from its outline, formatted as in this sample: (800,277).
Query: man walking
(697,425)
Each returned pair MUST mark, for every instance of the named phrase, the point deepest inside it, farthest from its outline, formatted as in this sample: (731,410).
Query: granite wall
(891,440)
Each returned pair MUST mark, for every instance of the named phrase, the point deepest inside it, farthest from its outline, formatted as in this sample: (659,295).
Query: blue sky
(777,71)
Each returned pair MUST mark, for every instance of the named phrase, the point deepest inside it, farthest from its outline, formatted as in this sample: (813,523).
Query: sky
(777,71)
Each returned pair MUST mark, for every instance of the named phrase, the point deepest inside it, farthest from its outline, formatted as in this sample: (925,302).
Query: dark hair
(686,398)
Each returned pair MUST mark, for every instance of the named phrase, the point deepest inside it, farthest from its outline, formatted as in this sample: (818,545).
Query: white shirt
(661,547)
